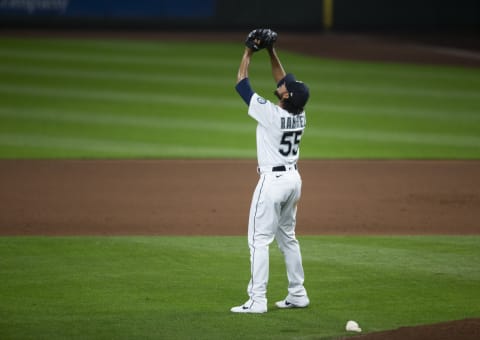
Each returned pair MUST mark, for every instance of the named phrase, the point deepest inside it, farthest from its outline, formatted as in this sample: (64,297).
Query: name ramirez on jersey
(294,122)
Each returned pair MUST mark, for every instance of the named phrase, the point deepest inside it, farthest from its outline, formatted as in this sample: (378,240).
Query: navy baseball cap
(297,90)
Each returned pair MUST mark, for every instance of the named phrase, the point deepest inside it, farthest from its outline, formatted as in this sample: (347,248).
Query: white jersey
(278,132)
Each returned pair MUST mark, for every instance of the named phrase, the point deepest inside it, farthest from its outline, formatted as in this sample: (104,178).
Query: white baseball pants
(273,215)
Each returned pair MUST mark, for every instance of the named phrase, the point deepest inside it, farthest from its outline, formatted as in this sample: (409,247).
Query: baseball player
(274,204)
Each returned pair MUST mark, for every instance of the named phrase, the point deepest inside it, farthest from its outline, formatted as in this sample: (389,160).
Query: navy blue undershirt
(245,90)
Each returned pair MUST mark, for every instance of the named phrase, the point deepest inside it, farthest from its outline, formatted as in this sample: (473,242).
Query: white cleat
(285,304)
(250,307)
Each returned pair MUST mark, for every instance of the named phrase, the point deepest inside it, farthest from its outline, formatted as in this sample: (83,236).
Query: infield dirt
(212,197)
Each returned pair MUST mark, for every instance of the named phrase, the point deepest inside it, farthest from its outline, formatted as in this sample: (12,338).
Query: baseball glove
(260,38)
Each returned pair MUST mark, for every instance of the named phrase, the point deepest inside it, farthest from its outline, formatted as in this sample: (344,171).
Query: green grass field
(148,99)
(183,287)
(152,99)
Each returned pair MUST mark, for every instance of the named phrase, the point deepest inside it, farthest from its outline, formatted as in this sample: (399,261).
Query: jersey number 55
(290,141)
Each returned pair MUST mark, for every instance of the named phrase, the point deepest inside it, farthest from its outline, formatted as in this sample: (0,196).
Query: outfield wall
(238,14)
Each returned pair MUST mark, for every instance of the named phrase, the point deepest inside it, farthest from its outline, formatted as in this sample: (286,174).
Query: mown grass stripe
(243,128)
(115,46)
(410,111)
(434,139)
(331,86)
(390,71)
(113,147)
(442,113)
(314,67)
(120,59)
(48,49)
(147,77)
(121,96)
(397,91)
(145,122)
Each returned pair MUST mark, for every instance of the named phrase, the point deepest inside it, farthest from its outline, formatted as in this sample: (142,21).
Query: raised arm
(243,85)
(244,64)
(277,69)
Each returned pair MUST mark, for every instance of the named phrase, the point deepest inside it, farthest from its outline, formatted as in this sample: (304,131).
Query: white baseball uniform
(274,203)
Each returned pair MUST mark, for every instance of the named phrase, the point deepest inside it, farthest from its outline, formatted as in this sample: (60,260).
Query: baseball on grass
(352,326)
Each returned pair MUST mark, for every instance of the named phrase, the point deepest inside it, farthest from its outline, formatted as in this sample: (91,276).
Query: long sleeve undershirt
(245,90)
